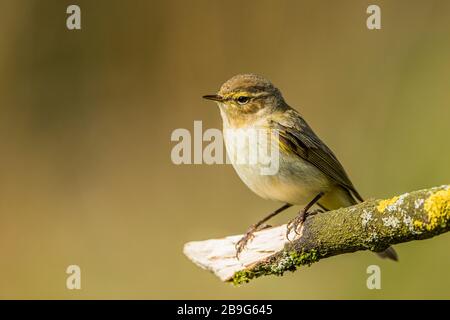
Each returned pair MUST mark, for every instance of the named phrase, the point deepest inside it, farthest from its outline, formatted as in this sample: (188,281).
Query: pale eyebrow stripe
(251,95)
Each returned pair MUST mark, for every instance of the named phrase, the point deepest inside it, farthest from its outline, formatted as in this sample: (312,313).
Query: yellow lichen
(437,207)
(418,225)
(383,204)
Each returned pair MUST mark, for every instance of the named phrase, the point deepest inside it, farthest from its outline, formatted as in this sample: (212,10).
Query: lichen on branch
(372,225)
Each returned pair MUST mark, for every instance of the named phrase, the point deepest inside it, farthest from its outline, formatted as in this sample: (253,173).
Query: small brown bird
(308,172)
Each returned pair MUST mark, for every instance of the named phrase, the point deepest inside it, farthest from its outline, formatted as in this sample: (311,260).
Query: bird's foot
(297,223)
(248,237)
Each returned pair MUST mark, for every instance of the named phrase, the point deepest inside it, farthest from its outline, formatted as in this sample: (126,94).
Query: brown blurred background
(86,117)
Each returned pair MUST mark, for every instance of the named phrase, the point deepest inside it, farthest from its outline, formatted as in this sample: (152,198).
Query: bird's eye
(243,99)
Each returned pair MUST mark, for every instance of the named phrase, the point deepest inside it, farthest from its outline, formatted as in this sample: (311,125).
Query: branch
(372,225)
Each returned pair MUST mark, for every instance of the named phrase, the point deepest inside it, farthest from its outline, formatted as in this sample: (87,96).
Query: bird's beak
(213,97)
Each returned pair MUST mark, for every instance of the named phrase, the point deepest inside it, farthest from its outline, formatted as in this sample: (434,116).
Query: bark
(372,225)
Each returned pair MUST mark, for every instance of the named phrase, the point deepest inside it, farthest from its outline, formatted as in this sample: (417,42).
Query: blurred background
(86,116)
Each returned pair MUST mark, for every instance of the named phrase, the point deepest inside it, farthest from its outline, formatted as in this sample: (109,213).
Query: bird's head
(246,98)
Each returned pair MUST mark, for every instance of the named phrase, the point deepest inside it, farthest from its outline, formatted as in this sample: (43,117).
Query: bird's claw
(249,235)
(295,224)
(242,243)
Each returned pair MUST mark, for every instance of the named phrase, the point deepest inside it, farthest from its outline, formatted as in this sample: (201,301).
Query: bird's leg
(249,235)
(296,223)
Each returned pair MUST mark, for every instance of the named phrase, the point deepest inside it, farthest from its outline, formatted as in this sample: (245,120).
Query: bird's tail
(388,253)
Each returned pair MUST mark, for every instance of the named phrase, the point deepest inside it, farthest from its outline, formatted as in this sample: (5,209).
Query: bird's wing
(296,135)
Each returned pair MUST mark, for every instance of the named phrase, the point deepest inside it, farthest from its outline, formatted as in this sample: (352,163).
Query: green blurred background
(86,117)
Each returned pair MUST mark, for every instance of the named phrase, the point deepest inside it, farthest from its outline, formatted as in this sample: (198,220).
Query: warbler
(308,171)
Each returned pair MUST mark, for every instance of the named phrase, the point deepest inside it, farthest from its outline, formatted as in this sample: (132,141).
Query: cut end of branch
(219,255)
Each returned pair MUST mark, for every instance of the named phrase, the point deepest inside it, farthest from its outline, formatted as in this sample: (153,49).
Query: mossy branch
(372,225)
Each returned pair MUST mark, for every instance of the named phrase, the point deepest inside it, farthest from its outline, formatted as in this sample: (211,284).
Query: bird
(308,172)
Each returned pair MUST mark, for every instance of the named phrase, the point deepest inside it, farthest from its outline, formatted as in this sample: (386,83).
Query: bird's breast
(269,171)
